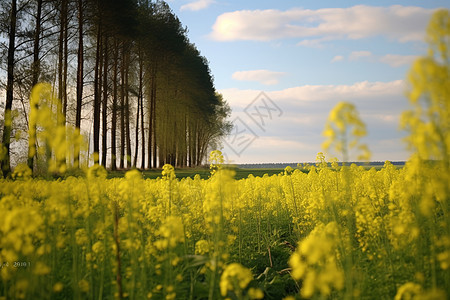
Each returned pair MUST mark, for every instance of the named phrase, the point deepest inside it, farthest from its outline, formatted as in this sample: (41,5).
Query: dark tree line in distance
(126,75)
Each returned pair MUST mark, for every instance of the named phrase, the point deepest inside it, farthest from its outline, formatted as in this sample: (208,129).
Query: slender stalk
(117,243)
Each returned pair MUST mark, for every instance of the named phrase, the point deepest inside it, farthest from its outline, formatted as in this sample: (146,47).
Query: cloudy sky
(283,65)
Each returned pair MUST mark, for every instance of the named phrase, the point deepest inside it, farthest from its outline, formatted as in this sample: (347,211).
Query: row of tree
(126,75)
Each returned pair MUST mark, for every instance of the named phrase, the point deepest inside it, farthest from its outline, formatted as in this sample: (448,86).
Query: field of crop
(346,232)
(324,231)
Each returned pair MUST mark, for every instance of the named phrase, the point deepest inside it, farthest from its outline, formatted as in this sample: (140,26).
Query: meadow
(204,173)
(341,232)
(324,231)
(240,172)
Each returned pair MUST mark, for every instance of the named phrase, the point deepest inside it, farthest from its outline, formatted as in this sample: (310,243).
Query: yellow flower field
(361,234)
(328,231)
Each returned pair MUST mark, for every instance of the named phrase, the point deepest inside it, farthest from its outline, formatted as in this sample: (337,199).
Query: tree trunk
(114,107)
(37,33)
(150,120)
(190,145)
(80,83)
(153,114)
(35,79)
(127,110)
(97,96)
(139,99)
(105,101)
(136,132)
(194,143)
(66,57)
(122,109)
(62,57)
(6,160)
(141,95)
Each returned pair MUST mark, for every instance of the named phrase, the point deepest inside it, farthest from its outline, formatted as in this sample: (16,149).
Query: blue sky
(306,56)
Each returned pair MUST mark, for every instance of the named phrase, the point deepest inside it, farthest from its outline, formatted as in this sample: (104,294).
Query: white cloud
(337,58)
(265,77)
(356,55)
(314,43)
(398,60)
(238,99)
(318,97)
(286,150)
(296,134)
(358,91)
(197,5)
(394,60)
(401,23)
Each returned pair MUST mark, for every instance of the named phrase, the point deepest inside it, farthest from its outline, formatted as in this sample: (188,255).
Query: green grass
(244,173)
(203,172)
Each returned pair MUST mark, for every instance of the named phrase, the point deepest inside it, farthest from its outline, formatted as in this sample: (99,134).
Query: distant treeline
(294,165)
(125,72)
